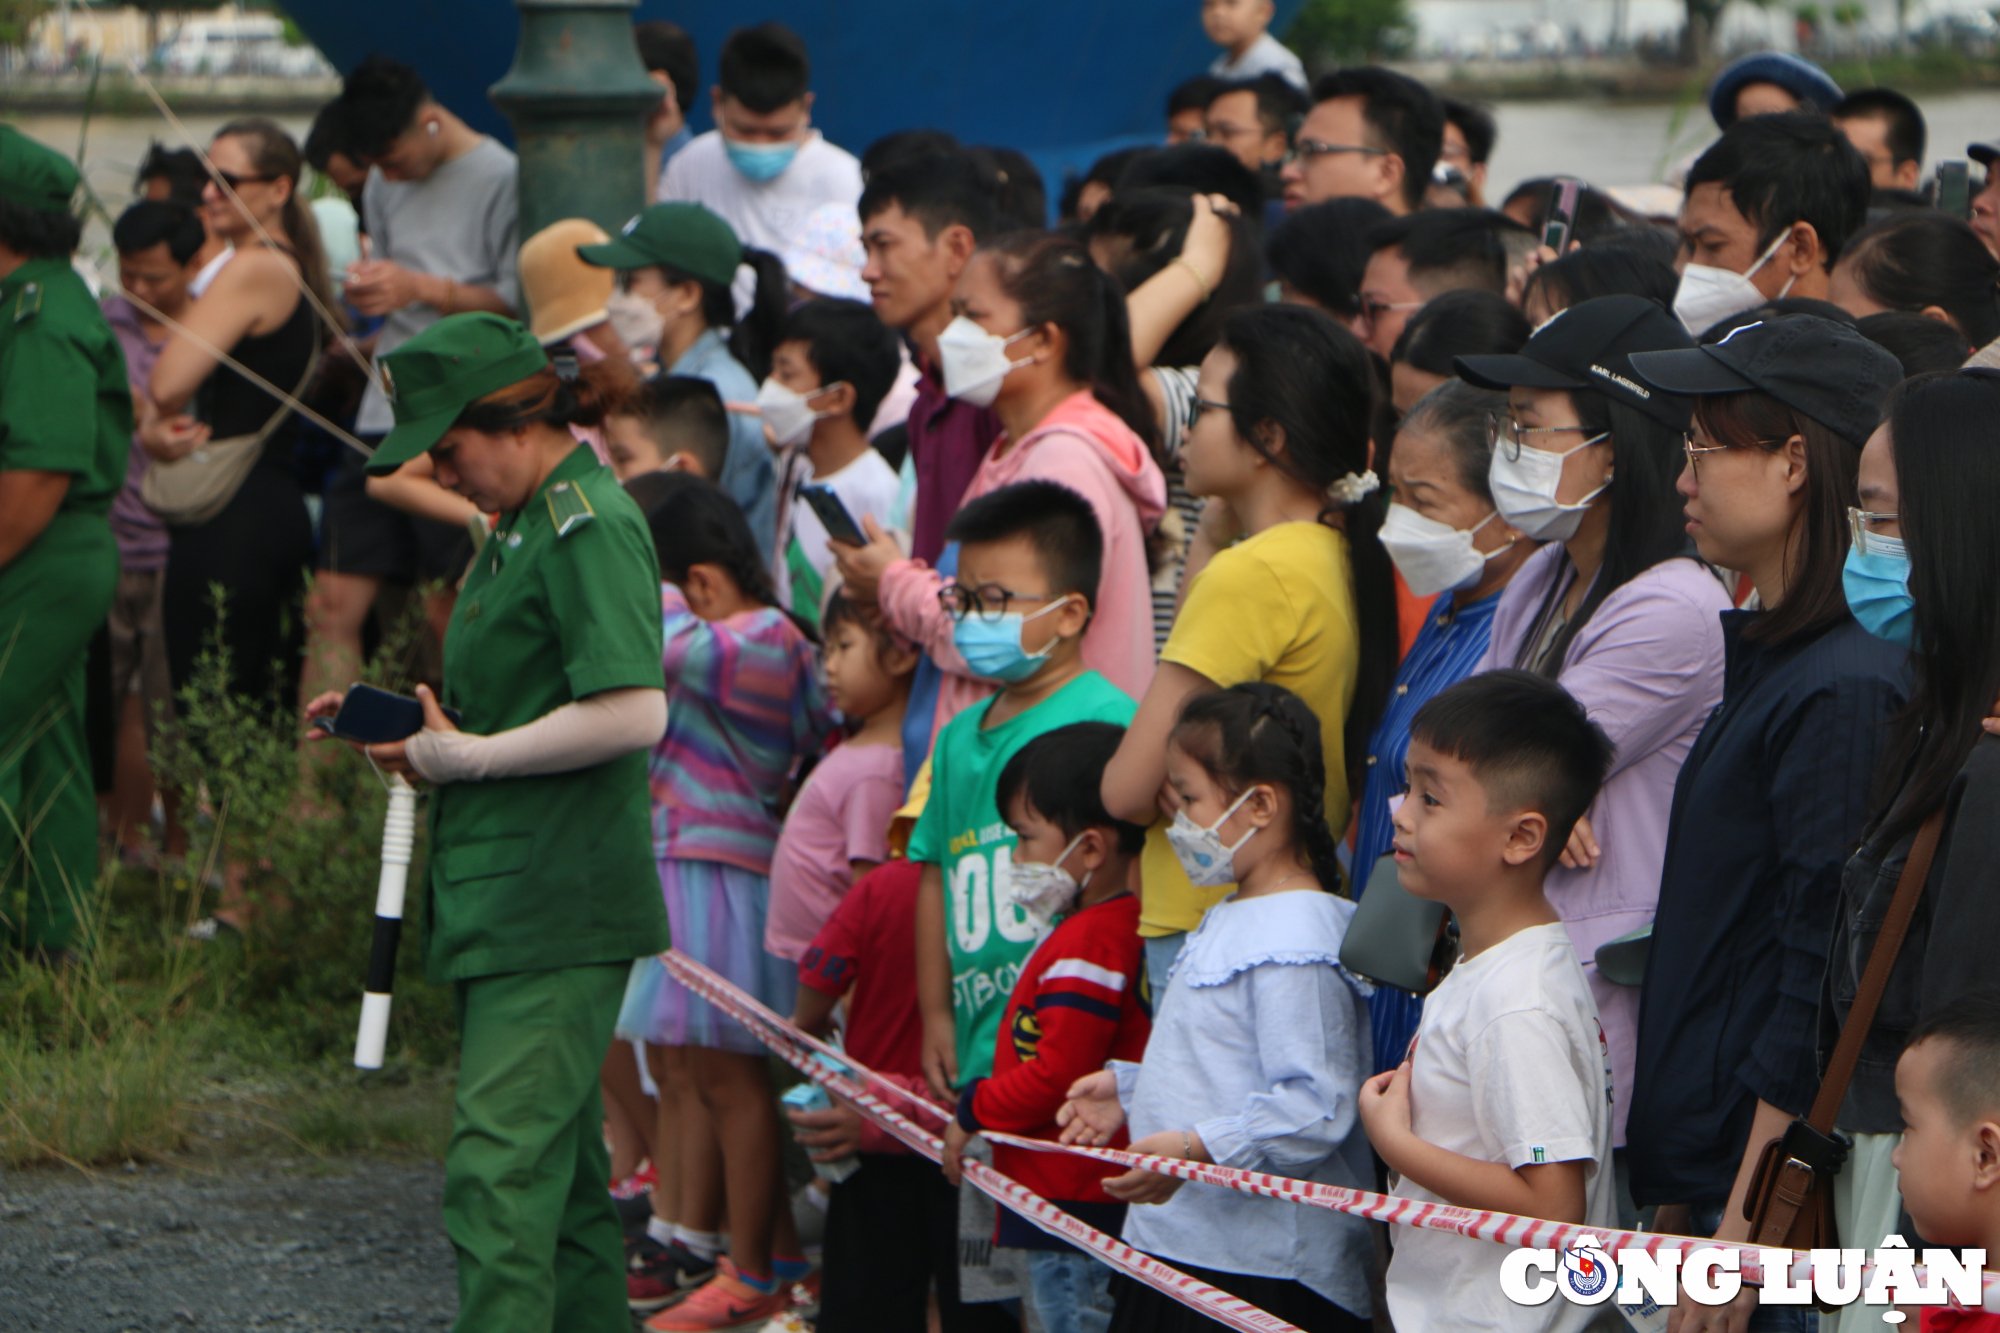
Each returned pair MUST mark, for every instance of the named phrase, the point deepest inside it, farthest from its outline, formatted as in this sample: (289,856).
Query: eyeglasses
(1196,406)
(988,600)
(1858,523)
(1308,149)
(236,182)
(1372,308)
(1503,433)
(1694,451)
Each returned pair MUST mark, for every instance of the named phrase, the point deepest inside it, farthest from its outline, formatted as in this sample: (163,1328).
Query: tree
(17,19)
(1330,32)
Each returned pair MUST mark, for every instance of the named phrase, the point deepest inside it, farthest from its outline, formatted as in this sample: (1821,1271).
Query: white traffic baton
(399,837)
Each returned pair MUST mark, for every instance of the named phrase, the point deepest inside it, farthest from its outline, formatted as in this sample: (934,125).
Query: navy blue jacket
(1769,805)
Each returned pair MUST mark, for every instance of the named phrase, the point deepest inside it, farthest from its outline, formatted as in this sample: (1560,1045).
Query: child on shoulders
(1504,1102)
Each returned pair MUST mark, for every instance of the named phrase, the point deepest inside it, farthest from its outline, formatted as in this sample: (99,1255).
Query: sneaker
(659,1275)
(724,1302)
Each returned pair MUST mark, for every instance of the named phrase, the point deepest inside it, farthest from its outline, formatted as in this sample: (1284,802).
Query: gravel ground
(247,1245)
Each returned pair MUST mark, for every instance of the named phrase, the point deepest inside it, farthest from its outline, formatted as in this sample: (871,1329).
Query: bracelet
(1187,1146)
(1201,281)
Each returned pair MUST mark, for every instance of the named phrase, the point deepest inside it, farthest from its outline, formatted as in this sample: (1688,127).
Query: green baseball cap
(33,174)
(436,375)
(686,237)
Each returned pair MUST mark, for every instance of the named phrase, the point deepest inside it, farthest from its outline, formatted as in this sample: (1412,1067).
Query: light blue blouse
(1260,1046)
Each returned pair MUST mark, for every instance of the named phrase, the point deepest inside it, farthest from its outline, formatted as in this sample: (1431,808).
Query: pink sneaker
(723,1303)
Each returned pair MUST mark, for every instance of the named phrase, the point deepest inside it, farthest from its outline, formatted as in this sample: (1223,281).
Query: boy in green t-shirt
(1029,559)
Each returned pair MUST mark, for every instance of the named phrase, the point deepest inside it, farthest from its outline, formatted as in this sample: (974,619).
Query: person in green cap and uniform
(541,887)
(65,431)
(681,261)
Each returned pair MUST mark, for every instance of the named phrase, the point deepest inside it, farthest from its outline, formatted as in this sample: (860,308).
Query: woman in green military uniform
(65,430)
(541,887)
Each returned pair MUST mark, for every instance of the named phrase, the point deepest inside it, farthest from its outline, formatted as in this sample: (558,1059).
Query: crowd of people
(1292,666)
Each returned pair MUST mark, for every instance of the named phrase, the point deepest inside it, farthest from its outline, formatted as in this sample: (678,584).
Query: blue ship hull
(1061,81)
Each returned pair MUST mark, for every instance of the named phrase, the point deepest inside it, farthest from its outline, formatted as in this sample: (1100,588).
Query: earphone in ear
(432,126)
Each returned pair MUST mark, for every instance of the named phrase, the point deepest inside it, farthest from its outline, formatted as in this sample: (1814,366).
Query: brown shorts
(139,645)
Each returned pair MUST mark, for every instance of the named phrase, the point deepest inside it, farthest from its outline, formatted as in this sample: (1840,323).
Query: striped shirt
(1450,644)
(1177,525)
(744,706)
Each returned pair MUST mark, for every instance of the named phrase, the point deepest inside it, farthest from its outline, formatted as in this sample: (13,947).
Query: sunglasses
(236,182)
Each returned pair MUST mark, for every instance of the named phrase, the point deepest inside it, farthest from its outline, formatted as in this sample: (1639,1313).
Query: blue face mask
(1878,590)
(760,161)
(992,648)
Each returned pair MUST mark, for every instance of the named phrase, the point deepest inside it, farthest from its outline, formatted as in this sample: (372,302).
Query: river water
(1607,143)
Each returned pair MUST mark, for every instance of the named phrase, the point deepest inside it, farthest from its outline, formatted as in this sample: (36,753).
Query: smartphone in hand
(1561,221)
(833,515)
(372,716)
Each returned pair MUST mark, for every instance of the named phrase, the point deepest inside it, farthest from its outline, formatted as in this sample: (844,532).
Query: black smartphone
(1561,221)
(1954,190)
(372,716)
(833,515)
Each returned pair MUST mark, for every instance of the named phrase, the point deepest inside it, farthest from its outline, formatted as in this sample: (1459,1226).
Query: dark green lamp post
(578,98)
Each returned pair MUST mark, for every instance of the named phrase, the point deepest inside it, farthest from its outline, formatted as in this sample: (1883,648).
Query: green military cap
(686,237)
(436,375)
(34,175)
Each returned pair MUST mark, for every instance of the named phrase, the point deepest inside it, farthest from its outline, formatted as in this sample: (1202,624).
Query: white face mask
(974,362)
(1524,490)
(1044,891)
(1708,295)
(636,320)
(786,413)
(1207,859)
(1434,557)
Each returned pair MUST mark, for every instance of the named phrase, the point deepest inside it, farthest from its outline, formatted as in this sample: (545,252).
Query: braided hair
(1263,733)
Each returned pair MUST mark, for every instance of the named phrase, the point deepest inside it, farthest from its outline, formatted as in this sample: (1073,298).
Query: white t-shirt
(766,215)
(1267,55)
(868,487)
(1509,1065)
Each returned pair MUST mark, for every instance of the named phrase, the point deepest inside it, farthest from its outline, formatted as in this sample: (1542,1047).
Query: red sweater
(1075,1007)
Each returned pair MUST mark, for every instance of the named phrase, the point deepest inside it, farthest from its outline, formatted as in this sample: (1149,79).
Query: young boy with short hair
(676,423)
(1948,1162)
(1030,556)
(1075,1008)
(1242,28)
(1504,1102)
(834,363)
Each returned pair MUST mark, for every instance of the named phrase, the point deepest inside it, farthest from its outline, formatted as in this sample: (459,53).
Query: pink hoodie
(1083,445)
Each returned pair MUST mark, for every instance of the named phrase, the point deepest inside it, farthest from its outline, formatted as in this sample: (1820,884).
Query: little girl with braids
(1261,1041)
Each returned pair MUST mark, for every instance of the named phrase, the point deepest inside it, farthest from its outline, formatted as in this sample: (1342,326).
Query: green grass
(149,1046)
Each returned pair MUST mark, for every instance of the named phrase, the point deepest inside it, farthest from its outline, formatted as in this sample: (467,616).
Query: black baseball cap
(1819,368)
(1984,153)
(1590,346)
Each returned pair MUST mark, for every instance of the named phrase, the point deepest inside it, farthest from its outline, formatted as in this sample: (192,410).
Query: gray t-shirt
(458,223)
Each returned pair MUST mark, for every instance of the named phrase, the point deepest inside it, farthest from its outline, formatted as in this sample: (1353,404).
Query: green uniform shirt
(552,871)
(68,407)
(961,832)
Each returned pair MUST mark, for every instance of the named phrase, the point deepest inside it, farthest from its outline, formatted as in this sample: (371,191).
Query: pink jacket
(1083,445)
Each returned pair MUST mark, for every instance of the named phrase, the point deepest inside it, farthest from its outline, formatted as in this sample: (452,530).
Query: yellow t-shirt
(1276,607)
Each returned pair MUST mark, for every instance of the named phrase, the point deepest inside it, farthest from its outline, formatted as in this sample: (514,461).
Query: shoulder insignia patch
(569,507)
(29,303)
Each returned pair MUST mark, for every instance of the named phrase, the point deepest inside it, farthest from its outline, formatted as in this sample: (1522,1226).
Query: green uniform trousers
(527,1179)
(52,599)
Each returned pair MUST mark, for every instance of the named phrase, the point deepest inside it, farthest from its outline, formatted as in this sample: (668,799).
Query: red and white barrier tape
(797,1049)
(1508,1229)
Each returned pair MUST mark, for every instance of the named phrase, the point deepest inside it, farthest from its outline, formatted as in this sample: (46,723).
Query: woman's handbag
(1396,938)
(193,489)
(1790,1202)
